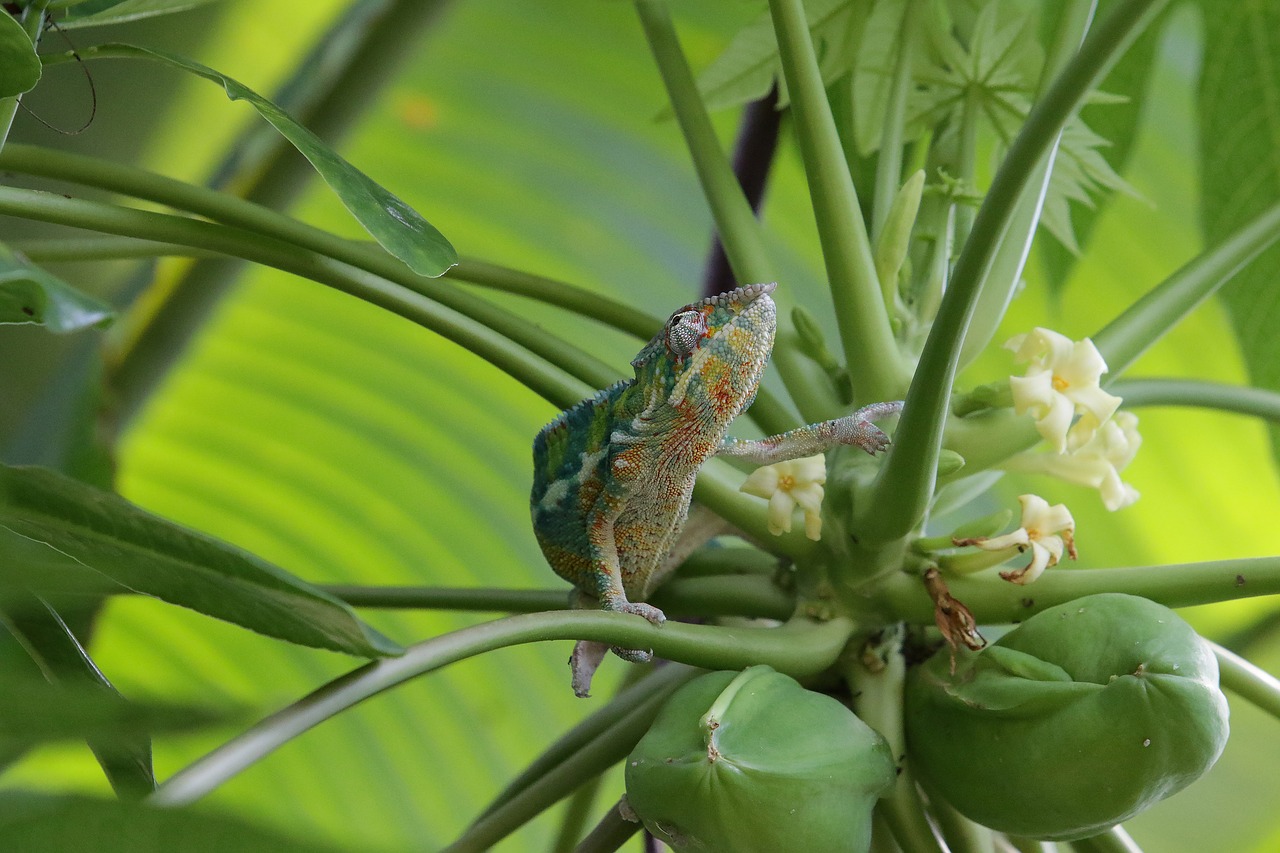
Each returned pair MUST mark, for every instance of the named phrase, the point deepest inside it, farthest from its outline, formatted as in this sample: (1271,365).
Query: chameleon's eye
(684,331)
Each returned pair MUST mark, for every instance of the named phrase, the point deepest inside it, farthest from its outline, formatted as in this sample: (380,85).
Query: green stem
(869,347)
(878,701)
(576,812)
(889,160)
(767,411)
(233,211)
(607,749)
(32,23)
(102,247)
(653,687)
(1114,840)
(753,596)
(995,601)
(997,287)
(739,229)
(966,162)
(609,834)
(1242,399)
(1249,682)
(905,484)
(543,379)
(1147,320)
(799,648)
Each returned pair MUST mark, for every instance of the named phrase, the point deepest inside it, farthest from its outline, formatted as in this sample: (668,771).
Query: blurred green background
(346,445)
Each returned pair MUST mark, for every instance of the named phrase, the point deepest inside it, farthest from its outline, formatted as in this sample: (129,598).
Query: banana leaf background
(349,446)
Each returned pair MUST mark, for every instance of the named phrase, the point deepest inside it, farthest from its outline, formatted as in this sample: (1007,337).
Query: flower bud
(1076,720)
(753,761)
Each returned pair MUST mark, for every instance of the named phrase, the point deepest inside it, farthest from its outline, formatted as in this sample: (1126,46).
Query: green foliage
(19,66)
(63,536)
(1239,115)
(71,824)
(29,294)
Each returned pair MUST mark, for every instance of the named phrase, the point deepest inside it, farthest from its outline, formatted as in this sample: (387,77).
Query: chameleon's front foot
(858,430)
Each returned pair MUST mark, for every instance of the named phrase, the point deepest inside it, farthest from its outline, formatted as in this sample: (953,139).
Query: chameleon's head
(712,353)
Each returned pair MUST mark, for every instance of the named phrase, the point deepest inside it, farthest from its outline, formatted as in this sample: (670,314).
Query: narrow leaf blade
(97,13)
(58,535)
(396,226)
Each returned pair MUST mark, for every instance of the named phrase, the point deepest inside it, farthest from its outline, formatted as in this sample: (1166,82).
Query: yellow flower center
(1060,384)
(786,482)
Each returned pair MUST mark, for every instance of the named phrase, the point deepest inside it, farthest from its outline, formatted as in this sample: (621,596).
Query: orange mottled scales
(613,475)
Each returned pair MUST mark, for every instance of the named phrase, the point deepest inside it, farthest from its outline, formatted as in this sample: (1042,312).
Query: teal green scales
(613,475)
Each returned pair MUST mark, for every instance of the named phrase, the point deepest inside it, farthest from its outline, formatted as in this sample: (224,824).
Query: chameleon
(613,475)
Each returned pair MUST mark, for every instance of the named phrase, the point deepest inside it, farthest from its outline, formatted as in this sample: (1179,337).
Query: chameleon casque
(613,475)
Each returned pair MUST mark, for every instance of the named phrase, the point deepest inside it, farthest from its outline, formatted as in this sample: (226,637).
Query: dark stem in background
(274,178)
(752,159)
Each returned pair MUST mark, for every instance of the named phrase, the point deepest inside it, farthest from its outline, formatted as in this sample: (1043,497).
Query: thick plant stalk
(869,348)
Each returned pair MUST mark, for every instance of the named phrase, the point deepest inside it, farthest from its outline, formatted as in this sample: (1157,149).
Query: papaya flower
(1046,531)
(1096,463)
(1062,380)
(786,485)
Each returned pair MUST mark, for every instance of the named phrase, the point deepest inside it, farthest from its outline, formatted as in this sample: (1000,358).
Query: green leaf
(75,824)
(33,712)
(57,656)
(58,535)
(399,229)
(1239,140)
(28,294)
(96,13)
(19,65)
(749,65)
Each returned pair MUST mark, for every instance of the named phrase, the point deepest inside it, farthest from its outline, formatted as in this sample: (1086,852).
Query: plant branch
(753,596)
(889,160)
(1001,279)
(1146,321)
(798,648)
(609,745)
(735,221)
(1241,399)
(545,380)
(905,483)
(1249,682)
(870,351)
(995,601)
(654,687)
(233,211)
(609,834)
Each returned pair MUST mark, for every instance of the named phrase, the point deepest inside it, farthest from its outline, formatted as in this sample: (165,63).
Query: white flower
(1061,381)
(1046,530)
(786,485)
(1097,463)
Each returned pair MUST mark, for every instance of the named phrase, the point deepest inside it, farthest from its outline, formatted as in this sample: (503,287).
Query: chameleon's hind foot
(858,430)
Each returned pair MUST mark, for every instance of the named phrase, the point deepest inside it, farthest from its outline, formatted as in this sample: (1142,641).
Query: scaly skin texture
(614,474)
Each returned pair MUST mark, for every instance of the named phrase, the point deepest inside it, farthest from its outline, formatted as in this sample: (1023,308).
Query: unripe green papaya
(753,761)
(1076,720)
